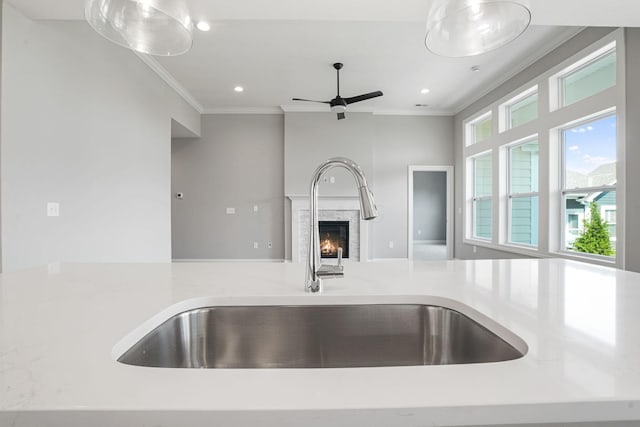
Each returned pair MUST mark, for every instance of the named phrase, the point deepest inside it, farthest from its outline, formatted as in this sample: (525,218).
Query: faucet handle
(339,257)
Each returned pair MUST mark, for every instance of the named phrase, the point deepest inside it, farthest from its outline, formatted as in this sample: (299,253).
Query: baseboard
(387,259)
(228,260)
(430,242)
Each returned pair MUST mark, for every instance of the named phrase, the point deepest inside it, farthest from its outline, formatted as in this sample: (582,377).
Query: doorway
(430,230)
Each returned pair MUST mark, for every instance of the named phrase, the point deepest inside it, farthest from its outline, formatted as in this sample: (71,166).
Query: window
(595,76)
(480,129)
(521,109)
(523,193)
(482,205)
(541,164)
(589,186)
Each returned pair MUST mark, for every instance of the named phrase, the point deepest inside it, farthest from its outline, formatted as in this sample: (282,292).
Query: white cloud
(596,160)
(573,148)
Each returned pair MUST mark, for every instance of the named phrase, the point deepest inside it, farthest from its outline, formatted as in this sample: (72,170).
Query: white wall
(237,163)
(384,146)
(87,124)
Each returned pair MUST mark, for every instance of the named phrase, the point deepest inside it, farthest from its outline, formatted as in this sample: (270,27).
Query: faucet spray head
(368,207)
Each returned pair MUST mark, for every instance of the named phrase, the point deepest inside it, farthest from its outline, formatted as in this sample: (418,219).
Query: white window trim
(510,195)
(609,112)
(474,198)
(613,98)
(504,120)
(555,86)
(469,129)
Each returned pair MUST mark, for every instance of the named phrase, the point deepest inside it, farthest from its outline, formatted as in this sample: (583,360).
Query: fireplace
(334,235)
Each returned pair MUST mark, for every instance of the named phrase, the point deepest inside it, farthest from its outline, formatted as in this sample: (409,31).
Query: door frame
(448,170)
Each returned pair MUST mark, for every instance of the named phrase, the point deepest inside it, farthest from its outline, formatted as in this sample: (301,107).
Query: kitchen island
(62,327)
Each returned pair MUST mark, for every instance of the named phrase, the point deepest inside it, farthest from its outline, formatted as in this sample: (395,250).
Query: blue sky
(590,145)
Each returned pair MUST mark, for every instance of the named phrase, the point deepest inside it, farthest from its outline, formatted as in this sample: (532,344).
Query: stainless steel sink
(327,336)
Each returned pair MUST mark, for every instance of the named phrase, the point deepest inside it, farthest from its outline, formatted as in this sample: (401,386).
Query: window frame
(475,198)
(505,108)
(470,128)
(511,195)
(591,189)
(556,92)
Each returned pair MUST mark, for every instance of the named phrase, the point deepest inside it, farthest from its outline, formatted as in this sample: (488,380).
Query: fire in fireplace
(334,235)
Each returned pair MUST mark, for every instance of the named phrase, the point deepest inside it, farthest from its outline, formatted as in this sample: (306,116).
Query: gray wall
(1,33)
(237,163)
(632,154)
(429,205)
(571,47)
(87,124)
(384,146)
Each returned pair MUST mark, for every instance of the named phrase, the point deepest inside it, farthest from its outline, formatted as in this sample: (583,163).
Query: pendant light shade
(156,27)
(457,28)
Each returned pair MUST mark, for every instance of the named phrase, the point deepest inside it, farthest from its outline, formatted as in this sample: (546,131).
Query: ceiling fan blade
(363,97)
(341,116)
(310,100)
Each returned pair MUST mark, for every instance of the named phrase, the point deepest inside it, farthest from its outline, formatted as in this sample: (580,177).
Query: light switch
(332,180)
(231,211)
(53,209)
(255,245)
(255,208)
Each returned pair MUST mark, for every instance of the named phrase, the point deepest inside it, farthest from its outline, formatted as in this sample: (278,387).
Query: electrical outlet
(255,245)
(231,211)
(53,268)
(255,208)
(53,209)
(332,180)
(391,244)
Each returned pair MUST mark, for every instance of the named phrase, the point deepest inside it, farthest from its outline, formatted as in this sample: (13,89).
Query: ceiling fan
(339,104)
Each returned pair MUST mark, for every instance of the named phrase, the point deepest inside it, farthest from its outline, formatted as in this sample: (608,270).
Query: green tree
(594,239)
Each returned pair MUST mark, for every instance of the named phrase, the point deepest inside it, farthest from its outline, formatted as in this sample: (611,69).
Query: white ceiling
(280,49)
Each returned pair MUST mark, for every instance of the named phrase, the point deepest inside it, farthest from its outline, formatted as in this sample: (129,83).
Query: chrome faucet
(315,270)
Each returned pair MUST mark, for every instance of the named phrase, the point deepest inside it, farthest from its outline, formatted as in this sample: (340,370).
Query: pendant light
(156,27)
(457,28)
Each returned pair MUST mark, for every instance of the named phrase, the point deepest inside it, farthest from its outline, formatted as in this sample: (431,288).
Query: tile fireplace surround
(335,208)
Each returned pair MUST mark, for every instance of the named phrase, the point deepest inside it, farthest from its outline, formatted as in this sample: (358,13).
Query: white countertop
(58,331)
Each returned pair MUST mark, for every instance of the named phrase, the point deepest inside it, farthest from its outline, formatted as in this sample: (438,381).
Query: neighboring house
(577,207)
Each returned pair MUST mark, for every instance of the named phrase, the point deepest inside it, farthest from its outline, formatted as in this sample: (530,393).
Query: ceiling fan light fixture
(155,27)
(459,28)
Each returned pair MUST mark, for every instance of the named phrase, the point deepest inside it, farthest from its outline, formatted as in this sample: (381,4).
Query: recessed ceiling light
(238,89)
(425,91)
(475,68)
(422,105)
(203,26)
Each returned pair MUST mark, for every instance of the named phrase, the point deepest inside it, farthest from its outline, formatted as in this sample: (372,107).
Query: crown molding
(243,110)
(306,108)
(422,112)
(531,59)
(320,108)
(170,80)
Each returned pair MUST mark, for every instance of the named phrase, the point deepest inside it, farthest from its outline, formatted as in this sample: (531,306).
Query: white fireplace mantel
(300,204)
